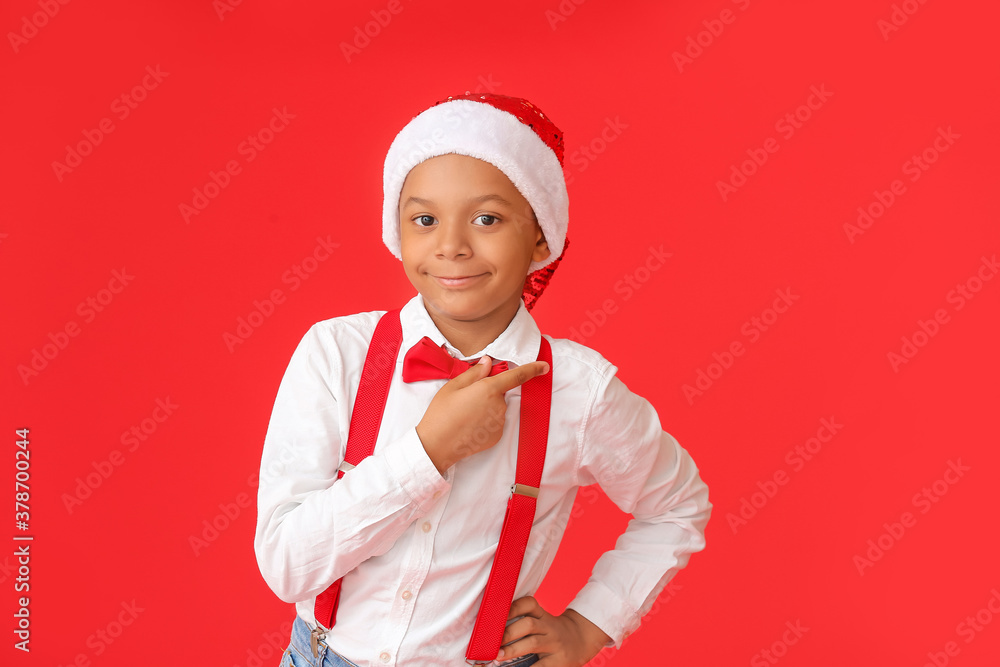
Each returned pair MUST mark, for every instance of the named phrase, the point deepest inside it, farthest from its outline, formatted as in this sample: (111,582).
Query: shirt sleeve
(646,473)
(312,528)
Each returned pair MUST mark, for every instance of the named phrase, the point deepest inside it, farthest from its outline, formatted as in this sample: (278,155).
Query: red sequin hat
(510,133)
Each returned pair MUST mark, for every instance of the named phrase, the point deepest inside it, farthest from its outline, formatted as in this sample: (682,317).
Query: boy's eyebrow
(471,200)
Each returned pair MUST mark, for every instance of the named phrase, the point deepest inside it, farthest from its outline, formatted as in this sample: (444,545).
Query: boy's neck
(471,336)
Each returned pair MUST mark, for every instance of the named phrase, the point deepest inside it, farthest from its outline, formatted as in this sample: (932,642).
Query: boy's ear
(541,251)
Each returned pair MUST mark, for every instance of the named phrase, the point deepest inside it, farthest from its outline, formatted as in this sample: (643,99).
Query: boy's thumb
(475,372)
(482,367)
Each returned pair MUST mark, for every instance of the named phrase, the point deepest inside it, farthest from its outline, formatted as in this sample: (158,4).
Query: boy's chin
(460,307)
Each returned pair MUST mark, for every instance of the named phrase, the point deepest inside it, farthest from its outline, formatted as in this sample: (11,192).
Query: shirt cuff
(413,470)
(600,606)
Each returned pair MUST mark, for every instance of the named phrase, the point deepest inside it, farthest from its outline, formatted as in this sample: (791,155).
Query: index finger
(513,377)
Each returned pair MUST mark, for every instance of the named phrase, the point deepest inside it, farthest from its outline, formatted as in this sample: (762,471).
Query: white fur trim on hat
(482,131)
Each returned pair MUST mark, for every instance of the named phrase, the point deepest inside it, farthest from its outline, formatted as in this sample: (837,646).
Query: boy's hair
(510,133)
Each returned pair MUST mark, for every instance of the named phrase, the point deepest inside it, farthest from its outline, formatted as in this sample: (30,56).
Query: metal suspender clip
(524,490)
(317,635)
(345,466)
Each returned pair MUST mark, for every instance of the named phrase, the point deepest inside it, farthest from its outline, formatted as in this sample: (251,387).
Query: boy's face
(467,237)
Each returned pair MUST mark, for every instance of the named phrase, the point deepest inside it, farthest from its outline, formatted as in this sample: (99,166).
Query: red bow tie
(427,361)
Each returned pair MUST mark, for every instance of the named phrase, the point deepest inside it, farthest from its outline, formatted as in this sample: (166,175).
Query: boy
(389,557)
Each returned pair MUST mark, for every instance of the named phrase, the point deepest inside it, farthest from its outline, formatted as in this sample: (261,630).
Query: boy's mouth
(457,281)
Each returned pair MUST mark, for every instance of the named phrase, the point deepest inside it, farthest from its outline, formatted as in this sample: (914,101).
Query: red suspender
(366,417)
(536,397)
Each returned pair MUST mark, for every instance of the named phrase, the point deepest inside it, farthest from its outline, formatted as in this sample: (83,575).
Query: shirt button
(407,595)
(426,527)
(437,494)
(384,656)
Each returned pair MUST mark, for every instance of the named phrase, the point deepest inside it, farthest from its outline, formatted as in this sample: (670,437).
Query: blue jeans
(299,652)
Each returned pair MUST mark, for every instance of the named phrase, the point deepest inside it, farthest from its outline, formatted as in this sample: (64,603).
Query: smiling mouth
(459,281)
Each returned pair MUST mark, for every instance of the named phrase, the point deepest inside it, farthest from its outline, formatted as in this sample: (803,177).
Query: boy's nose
(452,239)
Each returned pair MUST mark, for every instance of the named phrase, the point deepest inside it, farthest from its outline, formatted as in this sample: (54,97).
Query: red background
(653,182)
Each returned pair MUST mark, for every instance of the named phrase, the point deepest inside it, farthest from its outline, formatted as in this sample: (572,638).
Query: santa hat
(510,133)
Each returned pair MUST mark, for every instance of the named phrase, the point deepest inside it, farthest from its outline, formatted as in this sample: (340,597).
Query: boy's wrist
(591,631)
(440,461)
(600,605)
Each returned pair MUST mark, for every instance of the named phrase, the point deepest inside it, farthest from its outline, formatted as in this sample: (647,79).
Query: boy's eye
(491,219)
(420,218)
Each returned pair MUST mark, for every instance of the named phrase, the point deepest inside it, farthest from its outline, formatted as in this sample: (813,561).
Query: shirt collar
(518,343)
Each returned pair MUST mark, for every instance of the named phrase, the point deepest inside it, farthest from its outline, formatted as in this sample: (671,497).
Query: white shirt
(415,547)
